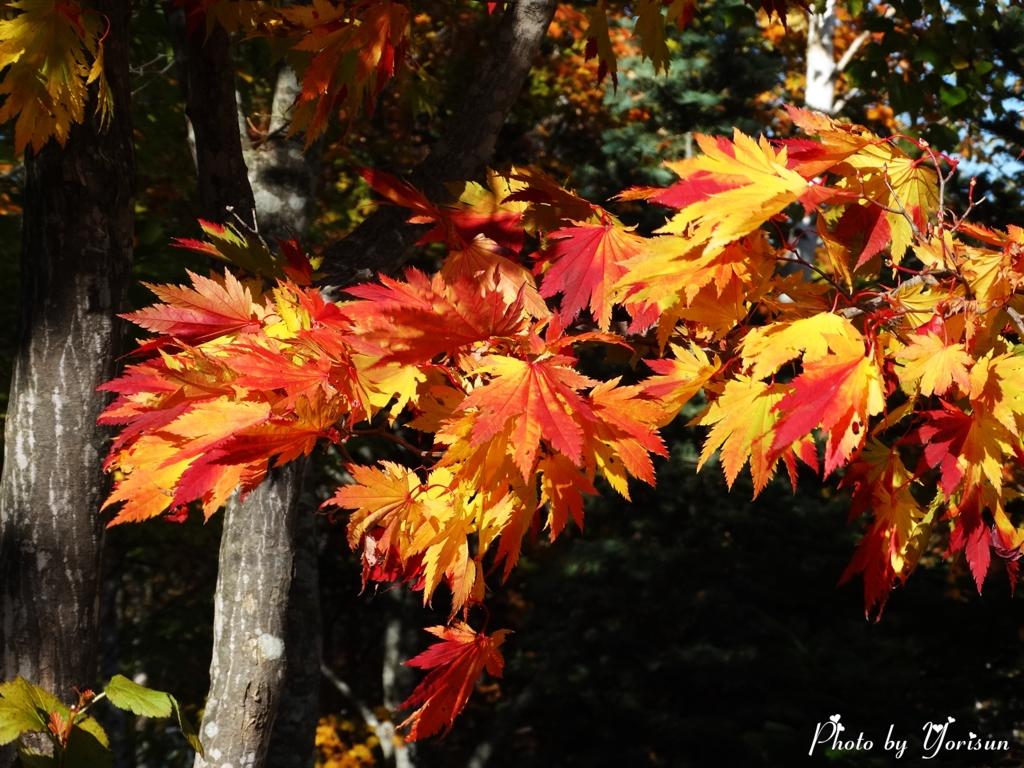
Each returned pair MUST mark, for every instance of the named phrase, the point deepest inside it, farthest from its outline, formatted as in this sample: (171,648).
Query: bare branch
(855,46)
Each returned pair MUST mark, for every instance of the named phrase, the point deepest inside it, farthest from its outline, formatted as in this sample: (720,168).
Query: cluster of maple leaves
(344,52)
(896,349)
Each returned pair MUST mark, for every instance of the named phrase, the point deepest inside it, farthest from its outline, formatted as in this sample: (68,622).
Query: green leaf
(86,751)
(952,95)
(190,734)
(32,702)
(29,758)
(91,725)
(15,721)
(124,694)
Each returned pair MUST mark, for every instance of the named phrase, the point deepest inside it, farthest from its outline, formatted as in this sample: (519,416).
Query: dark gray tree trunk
(212,110)
(249,662)
(76,259)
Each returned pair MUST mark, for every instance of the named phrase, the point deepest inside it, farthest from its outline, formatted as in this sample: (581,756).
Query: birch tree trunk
(76,259)
(820,92)
(250,617)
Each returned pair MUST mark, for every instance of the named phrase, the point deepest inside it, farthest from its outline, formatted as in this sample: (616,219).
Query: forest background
(689,627)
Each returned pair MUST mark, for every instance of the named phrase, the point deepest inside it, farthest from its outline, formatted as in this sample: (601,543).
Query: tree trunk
(820,92)
(249,663)
(292,742)
(212,110)
(245,691)
(236,727)
(283,177)
(76,259)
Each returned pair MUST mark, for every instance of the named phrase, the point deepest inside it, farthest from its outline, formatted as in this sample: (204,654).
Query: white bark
(820,92)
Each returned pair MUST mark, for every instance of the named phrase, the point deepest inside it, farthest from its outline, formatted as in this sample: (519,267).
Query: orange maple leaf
(540,395)
(742,420)
(208,310)
(416,320)
(935,363)
(351,60)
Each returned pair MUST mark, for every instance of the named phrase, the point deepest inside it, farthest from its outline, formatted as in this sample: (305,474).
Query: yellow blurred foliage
(343,743)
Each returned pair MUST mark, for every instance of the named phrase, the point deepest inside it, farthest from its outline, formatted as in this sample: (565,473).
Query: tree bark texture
(249,662)
(282,175)
(76,259)
(212,110)
(383,242)
(292,742)
(283,179)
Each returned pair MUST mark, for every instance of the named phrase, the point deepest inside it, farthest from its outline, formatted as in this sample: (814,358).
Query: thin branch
(384,729)
(824,275)
(880,300)
(158,75)
(847,57)
(1017,319)
(381,432)
(345,690)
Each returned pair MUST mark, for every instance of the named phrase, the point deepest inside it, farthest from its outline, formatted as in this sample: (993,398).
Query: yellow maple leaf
(52,54)
(681,378)
(751,183)
(743,418)
(935,364)
(768,348)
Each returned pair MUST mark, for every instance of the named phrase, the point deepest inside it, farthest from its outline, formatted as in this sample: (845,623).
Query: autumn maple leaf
(681,378)
(413,321)
(896,538)
(585,264)
(751,183)
(540,396)
(51,52)
(935,363)
(341,60)
(742,420)
(838,392)
(455,664)
(206,311)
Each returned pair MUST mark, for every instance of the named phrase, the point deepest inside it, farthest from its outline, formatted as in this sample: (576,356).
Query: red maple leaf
(586,263)
(412,322)
(943,434)
(455,663)
(209,310)
(867,226)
